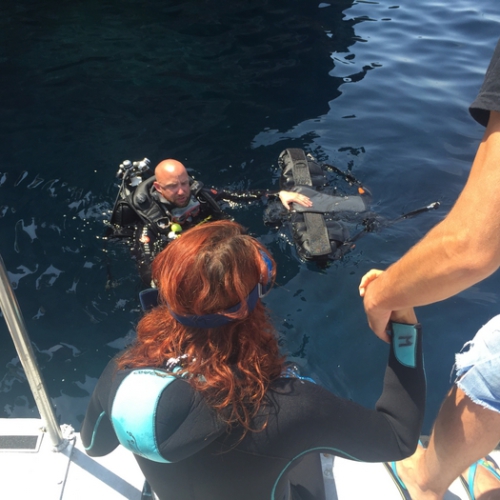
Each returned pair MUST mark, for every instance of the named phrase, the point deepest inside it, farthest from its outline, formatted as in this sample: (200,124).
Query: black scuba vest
(317,232)
(143,205)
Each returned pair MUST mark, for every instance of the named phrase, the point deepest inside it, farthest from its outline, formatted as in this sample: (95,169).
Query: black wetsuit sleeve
(97,433)
(335,425)
(392,430)
(402,402)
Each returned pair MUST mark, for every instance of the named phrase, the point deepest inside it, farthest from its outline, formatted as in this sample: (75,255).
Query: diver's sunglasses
(172,187)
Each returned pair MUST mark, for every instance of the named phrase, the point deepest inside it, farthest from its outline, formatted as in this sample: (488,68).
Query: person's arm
(239,196)
(391,430)
(459,252)
(286,197)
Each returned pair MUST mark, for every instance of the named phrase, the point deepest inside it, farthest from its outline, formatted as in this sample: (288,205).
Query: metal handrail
(15,323)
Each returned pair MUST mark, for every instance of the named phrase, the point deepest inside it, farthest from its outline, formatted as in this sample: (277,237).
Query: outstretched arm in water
(286,197)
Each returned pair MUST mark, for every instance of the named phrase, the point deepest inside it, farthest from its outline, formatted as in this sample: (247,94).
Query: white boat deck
(71,474)
(67,475)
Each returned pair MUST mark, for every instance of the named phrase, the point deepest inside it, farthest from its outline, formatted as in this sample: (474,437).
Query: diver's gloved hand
(289,197)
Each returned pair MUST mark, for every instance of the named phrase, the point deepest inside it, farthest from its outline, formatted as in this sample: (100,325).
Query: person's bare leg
(463,433)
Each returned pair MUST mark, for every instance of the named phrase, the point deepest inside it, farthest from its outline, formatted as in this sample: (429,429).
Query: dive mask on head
(260,290)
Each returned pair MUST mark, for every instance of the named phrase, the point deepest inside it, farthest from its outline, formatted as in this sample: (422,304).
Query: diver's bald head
(172,181)
(168,167)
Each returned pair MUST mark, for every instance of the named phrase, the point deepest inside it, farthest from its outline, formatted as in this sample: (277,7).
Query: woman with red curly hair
(204,401)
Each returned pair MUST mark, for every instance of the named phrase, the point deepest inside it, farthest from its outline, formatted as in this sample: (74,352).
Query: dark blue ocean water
(379,88)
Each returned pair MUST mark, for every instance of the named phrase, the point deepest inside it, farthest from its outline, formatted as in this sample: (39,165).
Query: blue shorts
(478,366)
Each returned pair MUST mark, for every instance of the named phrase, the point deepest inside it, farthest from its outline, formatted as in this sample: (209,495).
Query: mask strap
(217,320)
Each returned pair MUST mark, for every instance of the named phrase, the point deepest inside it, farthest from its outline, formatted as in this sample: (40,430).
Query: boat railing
(15,323)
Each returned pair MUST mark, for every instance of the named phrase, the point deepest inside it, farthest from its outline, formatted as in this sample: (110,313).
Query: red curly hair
(208,270)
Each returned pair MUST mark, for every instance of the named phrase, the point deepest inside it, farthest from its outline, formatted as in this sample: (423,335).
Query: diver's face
(174,187)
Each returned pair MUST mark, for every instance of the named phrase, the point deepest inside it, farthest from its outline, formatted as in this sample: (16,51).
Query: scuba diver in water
(153,210)
(325,221)
(328,227)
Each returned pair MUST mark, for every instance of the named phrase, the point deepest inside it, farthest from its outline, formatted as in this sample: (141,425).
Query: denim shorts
(478,366)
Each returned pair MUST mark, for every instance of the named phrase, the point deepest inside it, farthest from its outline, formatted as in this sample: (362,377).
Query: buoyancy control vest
(143,205)
(145,221)
(318,232)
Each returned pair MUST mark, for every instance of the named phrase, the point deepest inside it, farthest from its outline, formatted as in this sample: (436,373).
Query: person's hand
(371,275)
(289,197)
(407,316)
(378,318)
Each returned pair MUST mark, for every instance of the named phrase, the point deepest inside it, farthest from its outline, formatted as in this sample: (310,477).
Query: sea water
(378,88)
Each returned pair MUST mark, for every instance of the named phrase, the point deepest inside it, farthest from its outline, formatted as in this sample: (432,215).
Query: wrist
(371,300)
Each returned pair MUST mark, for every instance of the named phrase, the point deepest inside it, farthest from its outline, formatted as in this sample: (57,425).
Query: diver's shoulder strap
(317,235)
(204,195)
(147,208)
(298,169)
(134,410)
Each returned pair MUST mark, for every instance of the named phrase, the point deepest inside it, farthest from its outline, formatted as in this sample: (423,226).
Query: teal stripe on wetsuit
(134,411)
(404,343)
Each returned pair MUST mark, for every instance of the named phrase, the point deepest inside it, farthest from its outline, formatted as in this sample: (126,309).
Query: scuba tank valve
(133,169)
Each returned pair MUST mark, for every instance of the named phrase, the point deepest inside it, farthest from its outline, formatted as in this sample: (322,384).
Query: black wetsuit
(193,456)
(146,220)
(320,232)
(152,235)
